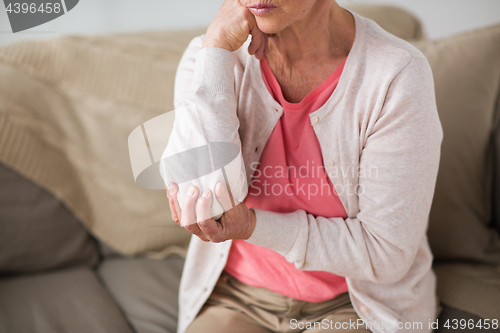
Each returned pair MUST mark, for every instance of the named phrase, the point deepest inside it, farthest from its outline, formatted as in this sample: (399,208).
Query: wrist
(218,44)
(212,40)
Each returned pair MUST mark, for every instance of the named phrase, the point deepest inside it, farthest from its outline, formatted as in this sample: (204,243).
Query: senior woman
(326,204)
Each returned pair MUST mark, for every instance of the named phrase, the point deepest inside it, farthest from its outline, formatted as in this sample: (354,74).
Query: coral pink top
(290,176)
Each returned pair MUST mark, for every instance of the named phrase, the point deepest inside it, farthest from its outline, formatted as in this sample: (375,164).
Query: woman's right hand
(231,27)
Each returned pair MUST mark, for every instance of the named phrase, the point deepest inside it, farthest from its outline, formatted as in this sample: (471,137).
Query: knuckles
(217,238)
(211,230)
(206,226)
(232,24)
(192,228)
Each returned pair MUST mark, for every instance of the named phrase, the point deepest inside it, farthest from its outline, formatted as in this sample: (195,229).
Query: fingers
(212,230)
(196,215)
(230,28)
(189,202)
(173,202)
(204,206)
(195,230)
(171,205)
(188,213)
(259,41)
(223,196)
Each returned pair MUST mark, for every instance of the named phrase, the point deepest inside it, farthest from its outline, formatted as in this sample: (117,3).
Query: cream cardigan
(381,121)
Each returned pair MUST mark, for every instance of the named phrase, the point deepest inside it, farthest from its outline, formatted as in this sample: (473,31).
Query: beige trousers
(236,307)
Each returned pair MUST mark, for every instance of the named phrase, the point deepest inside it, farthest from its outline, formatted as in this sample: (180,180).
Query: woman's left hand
(237,222)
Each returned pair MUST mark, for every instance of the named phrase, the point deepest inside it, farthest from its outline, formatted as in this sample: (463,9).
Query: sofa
(84,249)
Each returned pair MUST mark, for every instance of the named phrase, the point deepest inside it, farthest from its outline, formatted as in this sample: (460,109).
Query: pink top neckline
(310,97)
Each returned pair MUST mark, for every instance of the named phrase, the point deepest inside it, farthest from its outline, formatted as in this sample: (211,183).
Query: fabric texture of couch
(462,234)
(76,232)
(38,232)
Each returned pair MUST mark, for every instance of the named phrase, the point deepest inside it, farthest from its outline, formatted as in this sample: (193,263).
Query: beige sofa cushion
(466,70)
(67,107)
(395,20)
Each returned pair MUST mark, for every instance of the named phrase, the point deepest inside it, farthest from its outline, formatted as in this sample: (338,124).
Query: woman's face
(273,16)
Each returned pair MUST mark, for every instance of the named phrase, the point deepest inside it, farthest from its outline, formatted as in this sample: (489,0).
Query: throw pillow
(36,231)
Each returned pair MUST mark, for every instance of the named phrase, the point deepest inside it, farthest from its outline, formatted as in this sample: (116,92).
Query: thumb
(259,39)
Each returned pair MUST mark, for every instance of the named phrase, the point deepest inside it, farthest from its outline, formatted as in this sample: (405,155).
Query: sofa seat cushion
(454,320)
(61,301)
(146,290)
(37,232)
(473,288)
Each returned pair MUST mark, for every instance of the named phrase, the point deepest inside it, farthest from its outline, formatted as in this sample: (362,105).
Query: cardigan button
(314,119)
(363,308)
(331,163)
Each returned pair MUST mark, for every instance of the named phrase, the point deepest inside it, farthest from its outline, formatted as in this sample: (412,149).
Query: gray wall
(445,17)
(440,17)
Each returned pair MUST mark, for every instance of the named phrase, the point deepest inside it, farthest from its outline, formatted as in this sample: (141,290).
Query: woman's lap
(234,306)
(217,319)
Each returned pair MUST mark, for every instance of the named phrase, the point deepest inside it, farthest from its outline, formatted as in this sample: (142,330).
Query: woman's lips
(260,9)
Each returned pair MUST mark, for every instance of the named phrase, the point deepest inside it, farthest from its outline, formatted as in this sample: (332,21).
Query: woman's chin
(267,26)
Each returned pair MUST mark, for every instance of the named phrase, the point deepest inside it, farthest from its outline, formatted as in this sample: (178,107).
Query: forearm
(343,247)
(204,147)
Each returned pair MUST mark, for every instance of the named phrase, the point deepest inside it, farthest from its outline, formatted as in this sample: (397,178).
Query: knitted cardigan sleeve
(204,147)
